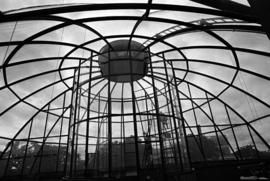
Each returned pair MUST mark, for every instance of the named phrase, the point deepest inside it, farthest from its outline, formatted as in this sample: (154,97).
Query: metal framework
(198,103)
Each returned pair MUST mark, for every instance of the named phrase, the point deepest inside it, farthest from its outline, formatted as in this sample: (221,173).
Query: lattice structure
(183,85)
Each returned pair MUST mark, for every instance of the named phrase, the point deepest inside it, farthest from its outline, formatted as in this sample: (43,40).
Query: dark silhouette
(201,147)
(37,158)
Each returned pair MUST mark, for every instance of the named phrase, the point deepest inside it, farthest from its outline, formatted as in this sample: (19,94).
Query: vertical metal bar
(74,121)
(134,113)
(147,113)
(236,142)
(77,131)
(69,123)
(98,136)
(158,121)
(173,113)
(212,117)
(9,155)
(60,134)
(88,115)
(172,138)
(148,134)
(123,155)
(253,141)
(109,116)
(44,135)
(26,147)
(196,122)
(181,114)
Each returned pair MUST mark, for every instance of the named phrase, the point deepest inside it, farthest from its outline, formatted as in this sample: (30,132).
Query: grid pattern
(205,96)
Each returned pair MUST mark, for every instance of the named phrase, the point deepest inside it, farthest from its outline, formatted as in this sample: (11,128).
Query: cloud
(12,121)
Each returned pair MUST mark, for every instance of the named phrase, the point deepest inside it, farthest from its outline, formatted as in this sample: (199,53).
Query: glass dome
(140,90)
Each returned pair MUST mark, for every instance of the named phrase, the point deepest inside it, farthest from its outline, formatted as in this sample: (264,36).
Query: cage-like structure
(140,90)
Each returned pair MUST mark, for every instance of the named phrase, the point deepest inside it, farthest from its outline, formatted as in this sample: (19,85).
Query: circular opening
(123,61)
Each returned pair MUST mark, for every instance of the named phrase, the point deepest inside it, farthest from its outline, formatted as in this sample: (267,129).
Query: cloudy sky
(16,4)
(13,119)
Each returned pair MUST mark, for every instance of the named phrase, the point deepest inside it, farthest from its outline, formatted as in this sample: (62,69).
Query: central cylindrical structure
(115,59)
(125,122)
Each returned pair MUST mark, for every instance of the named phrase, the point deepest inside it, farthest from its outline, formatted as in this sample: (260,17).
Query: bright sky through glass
(245,96)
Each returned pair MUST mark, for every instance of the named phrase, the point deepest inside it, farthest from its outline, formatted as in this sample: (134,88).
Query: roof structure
(198,94)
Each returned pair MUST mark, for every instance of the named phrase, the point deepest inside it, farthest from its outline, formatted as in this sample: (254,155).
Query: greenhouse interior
(147,90)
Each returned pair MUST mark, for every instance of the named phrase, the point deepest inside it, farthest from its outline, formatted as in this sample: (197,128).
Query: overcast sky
(248,107)
(16,4)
